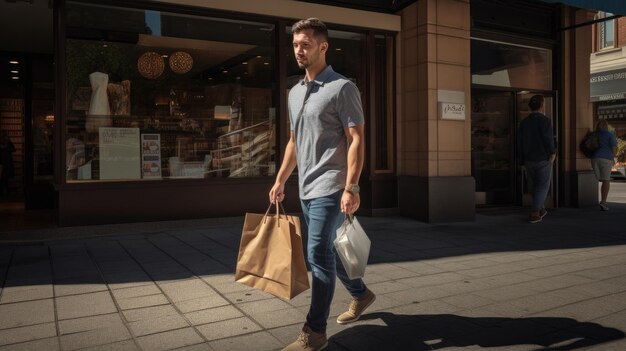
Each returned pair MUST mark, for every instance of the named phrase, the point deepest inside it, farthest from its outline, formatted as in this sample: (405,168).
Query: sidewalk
(497,283)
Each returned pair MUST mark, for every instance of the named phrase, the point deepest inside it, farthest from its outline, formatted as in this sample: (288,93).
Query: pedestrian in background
(603,159)
(537,153)
(327,145)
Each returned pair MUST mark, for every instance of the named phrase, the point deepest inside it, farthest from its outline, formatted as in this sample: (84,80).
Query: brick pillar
(435,180)
(581,186)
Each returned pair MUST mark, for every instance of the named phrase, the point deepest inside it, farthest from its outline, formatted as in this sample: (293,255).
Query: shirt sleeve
(349,106)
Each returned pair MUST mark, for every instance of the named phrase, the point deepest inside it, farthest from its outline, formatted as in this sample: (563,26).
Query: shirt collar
(322,77)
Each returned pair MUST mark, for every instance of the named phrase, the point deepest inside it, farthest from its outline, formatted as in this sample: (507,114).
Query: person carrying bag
(271,257)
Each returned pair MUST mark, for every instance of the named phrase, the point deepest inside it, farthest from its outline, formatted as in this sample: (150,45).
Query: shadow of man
(429,332)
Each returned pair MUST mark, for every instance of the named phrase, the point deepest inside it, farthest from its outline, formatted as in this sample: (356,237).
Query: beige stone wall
(435,42)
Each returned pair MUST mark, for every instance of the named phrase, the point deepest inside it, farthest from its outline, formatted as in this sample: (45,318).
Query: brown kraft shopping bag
(271,258)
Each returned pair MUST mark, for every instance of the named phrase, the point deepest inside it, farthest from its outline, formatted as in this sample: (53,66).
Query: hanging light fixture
(150,65)
(180,62)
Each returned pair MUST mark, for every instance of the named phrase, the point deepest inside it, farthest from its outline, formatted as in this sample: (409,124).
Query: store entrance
(500,179)
(27,128)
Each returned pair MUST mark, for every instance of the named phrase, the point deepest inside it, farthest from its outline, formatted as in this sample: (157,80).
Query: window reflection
(505,65)
(153,95)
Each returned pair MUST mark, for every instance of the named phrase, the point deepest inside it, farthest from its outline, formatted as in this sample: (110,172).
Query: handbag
(271,257)
(589,144)
(353,247)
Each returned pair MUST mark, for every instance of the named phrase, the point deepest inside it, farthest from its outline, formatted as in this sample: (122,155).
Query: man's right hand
(277,193)
(552,157)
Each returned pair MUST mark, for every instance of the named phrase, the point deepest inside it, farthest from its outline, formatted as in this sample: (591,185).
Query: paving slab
(26,313)
(95,337)
(142,301)
(187,290)
(214,315)
(262,341)
(31,332)
(170,340)
(126,345)
(26,293)
(228,328)
(202,303)
(90,304)
(50,344)
(157,324)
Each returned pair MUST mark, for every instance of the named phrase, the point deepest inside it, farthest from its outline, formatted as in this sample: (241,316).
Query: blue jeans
(539,174)
(323,217)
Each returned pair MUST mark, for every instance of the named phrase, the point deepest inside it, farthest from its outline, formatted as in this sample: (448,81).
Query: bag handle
(279,205)
(349,218)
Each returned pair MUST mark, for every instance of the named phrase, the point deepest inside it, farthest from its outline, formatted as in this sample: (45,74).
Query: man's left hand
(350,202)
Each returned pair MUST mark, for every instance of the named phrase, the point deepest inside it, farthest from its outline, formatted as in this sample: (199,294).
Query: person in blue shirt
(603,159)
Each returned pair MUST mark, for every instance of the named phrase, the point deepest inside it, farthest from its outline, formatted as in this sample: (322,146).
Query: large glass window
(383,92)
(606,31)
(154,95)
(511,66)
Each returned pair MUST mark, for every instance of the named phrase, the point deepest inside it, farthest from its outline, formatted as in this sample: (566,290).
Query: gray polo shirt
(319,111)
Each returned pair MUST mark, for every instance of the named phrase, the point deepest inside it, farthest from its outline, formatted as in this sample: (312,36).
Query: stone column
(581,187)
(435,182)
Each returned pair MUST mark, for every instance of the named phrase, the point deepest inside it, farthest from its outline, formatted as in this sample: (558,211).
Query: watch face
(354,188)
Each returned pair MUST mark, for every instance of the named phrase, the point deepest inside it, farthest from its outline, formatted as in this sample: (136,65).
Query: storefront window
(383,90)
(158,95)
(511,66)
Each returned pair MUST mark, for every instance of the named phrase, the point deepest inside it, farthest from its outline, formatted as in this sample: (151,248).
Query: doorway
(27,118)
(500,179)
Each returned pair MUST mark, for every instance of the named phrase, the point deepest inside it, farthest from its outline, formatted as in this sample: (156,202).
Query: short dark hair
(318,27)
(535,102)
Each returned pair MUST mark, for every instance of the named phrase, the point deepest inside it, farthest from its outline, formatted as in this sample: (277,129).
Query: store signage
(119,153)
(452,111)
(608,85)
(151,156)
(612,112)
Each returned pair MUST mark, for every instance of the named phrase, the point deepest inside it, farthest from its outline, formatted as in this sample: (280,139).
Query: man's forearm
(356,155)
(288,164)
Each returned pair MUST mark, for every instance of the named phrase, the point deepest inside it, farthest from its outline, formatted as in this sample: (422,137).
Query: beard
(303,65)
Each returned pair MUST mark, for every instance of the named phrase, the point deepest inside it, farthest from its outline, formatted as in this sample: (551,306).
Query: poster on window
(151,156)
(120,154)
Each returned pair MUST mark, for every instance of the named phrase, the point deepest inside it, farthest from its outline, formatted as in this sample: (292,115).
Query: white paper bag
(353,247)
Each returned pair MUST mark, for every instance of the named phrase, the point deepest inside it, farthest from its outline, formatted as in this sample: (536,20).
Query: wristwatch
(353,189)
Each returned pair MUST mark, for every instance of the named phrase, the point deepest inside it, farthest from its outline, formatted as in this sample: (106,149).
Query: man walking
(327,144)
(538,152)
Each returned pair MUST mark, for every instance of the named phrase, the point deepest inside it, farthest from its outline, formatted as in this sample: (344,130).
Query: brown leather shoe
(535,217)
(308,340)
(357,307)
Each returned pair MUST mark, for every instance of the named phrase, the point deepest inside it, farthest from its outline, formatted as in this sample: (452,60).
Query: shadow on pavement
(430,332)
(137,253)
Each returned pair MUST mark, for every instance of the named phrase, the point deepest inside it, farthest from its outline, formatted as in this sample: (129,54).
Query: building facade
(608,71)
(159,110)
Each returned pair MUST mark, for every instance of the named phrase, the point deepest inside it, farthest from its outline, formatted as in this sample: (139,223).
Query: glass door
(524,195)
(493,147)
